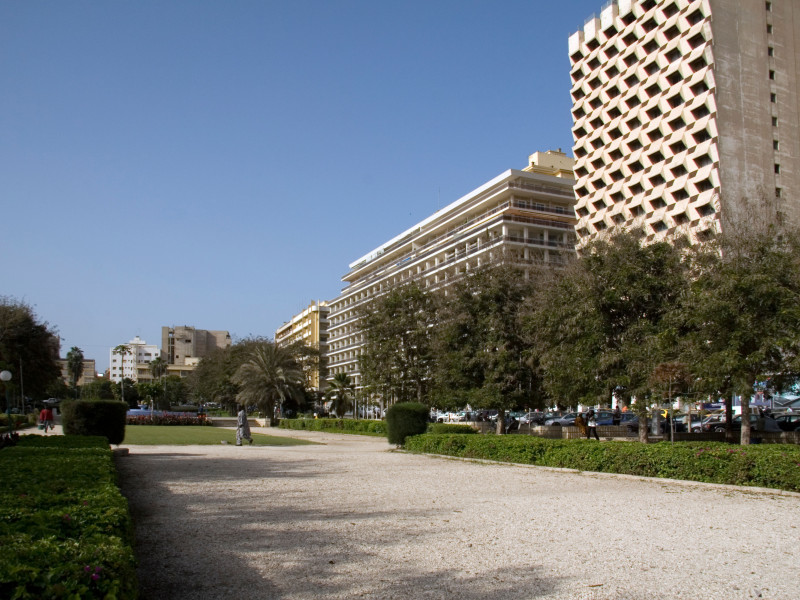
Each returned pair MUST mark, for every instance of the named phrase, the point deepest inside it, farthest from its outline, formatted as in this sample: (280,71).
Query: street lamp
(5,376)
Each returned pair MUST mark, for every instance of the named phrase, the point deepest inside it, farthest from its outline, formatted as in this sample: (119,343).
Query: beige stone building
(524,217)
(89,371)
(309,327)
(686,114)
(184,345)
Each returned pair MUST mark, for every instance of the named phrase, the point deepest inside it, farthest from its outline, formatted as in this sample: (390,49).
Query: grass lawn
(184,435)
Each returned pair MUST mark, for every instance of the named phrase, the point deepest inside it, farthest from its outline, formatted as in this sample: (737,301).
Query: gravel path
(350,518)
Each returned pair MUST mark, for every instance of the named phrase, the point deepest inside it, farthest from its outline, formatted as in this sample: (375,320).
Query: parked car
(788,421)
(757,423)
(534,418)
(625,418)
(563,420)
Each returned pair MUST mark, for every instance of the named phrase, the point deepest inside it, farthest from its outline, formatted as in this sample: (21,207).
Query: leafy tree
(125,391)
(480,349)
(396,358)
(340,393)
(599,328)
(744,312)
(27,345)
(158,367)
(99,389)
(268,375)
(75,366)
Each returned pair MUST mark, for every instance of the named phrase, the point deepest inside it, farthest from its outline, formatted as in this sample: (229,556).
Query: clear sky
(219,164)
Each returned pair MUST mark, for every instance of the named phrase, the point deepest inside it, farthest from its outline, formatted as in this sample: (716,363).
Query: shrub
(771,466)
(360,427)
(444,428)
(406,419)
(95,417)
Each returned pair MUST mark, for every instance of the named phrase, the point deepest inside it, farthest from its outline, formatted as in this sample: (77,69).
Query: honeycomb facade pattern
(660,124)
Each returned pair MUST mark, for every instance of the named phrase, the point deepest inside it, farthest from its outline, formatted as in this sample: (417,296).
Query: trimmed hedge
(360,427)
(405,419)
(65,528)
(770,466)
(95,417)
(445,428)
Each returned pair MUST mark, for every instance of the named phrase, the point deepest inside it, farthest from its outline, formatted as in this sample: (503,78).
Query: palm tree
(340,392)
(122,350)
(158,368)
(75,366)
(269,374)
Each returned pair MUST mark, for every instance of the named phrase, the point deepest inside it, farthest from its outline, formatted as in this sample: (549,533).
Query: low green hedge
(771,466)
(360,427)
(65,529)
(444,428)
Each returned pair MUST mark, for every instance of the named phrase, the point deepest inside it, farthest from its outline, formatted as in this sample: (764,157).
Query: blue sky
(219,164)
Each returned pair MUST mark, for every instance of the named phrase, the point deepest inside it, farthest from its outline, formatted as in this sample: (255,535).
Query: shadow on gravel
(194,534)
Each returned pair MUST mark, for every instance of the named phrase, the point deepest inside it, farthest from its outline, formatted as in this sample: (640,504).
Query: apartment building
(521,216)
(686,115)
(309,327)
(183,345)
(89,371)
(135,364)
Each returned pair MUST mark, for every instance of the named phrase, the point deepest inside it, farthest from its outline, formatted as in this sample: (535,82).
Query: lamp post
(5,376)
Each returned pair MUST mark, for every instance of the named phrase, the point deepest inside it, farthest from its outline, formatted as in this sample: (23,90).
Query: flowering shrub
(65,529)
(167,419)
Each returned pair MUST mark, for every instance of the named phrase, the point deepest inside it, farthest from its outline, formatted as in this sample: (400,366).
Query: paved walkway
(349,518)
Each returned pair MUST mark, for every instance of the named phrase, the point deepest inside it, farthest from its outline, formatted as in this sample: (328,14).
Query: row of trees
(624,319)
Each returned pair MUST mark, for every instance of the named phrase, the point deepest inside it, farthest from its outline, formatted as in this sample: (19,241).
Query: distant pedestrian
(616,418)
(591,425)
(580,423)
(243,428)
(46,418)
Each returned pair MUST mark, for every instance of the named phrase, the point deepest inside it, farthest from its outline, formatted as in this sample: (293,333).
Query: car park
(757,423)
(563,420)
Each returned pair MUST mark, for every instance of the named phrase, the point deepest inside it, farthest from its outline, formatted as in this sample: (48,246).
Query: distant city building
(309,327)
(524,217)
(686,115)
(89,371)
(134,365)
(184,346)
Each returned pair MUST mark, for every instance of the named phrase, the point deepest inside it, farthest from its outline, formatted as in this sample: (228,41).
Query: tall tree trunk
(644,428)
(729,417)
(501,422)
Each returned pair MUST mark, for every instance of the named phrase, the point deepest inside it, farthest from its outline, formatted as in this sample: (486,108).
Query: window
(695,17)
(681,219)
(651,69)
(775,145)
(777,169)
(770,51)
(657,180)
(632,81)
(655,157)
(772,75)
(680,194)
(677,123)
(678,147)
(706,210)
(659,226)
(778,192)
(703,161)
(634,145)
(675,78)
(672,32)
(614,113)
(633,101)
(615,155)
(699,87)
(701,136)
(651,46)
(773,97)
(700,112)
(678,171)
(769,28)
(649,25)
(769,6)
(673,55)
(631,59)
(637,211)
(670,10)
(774,121)
(704,186)
(675,101)
(696,40)
(653,90)
(698,64)
(635,166)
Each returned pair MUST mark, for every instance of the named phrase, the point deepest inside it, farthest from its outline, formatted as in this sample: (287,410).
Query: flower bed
(167,419)
(65,529)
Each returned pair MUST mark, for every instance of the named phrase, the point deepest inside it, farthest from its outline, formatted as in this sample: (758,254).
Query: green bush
(406,419)
(444,428)
(770,466)
(65,528)
(95,417)
(360,427)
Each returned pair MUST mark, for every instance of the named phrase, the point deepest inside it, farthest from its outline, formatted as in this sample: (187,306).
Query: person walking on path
(616,419)
(46,418)
(243,428)
(581,425)
(591,425)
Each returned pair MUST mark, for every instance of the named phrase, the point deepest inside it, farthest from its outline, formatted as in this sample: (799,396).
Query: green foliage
(340,391)
(64,526)
(99,389)
(95,417)
(405,419)
(770,466)
(361,427)
(447,428)
(75,365)
(25,340)
(396,358)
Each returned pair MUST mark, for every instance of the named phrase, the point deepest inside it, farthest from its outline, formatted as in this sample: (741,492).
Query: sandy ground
(351,518)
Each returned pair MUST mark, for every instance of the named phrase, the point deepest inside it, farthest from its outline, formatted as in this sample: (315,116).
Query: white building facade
(135,364)
(686,114)
(525,217)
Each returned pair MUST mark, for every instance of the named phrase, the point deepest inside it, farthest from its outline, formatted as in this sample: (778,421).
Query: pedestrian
(580,423)
(591,425)
(46,418)
(616,418)
(243,428)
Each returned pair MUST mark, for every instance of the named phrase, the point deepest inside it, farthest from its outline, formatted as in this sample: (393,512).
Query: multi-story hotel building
(521,216)
(686,114)
(309,327)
